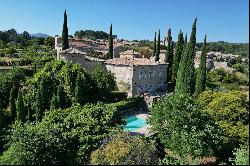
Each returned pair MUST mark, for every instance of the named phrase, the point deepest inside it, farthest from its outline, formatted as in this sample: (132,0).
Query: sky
(220,20)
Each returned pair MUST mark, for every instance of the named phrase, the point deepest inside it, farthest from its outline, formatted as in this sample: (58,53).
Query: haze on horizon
(220,20)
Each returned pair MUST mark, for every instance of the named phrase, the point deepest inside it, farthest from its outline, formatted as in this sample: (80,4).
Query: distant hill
(39,35)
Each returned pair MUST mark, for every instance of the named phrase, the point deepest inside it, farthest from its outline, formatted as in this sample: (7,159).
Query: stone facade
(130,54)
(138,76)
(72,55)
(134,75)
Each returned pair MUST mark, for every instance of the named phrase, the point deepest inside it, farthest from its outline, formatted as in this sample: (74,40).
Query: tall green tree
(158,47)
(185,41)
(2,118)
(38,106)
(177,56)
(80,97)
(110,51)
(169,55)
(40,100)
(61,97)
(12,103)
(29,111)
(43,94)
(186,68)
(154,49)
(20,110)
(54,102)
(65,40)
(201,73)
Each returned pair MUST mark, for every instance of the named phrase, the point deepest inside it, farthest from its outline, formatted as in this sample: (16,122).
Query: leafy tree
(231,111)
(10,50)
(183,128)
(241,156)
(185,74)
(157,55)
(201,73)
(12,103)
(177,56)
(123,149)
(20,110)
(92,34)
(37,41)
(154,49)
(65,40)
(145,53)
(169,55)
(12,79)
(241,49)
(62,137)
(54,103)
(50,41)
(110,51)
(104,79)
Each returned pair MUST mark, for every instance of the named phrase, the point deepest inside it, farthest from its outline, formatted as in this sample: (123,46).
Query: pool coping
(143,130)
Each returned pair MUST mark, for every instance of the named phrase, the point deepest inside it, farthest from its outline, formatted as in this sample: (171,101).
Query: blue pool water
(134,123)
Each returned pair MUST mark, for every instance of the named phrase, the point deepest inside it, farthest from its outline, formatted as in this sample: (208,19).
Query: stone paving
(146,129)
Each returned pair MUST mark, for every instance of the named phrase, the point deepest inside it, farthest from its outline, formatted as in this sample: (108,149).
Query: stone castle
(134,74)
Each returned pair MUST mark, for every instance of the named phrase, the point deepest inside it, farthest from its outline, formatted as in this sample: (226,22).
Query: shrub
(222,78)
(183,128)
(230,110)
(241,156)
(127,104)
(55,73)
(116,96)
(62,137)
(12,78)
(123,149)
(10,50)
(104,79)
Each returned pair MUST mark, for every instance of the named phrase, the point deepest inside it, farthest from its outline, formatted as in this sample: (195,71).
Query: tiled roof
(130,62)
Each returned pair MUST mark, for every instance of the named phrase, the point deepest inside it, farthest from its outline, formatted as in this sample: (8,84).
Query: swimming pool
(134,123)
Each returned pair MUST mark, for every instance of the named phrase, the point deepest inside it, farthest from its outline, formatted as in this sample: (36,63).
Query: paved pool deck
(146,129)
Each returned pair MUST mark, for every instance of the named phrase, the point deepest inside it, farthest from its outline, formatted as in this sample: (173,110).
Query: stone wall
(123,75)
(149,79)
(85,62)
(130,78)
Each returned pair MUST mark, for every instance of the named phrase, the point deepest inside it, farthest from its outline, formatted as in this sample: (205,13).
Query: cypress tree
(38,106)
(110,51)
(169,55)
(158,47)
(185,42)
(65,40)
(177,56)
(154,51)
(61,97)
(43,95)
(12,103)
(201,73)
(29,110)
(2,118)
(40,100)
(186,67)
(54,102)
(79,94)
(20,110)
